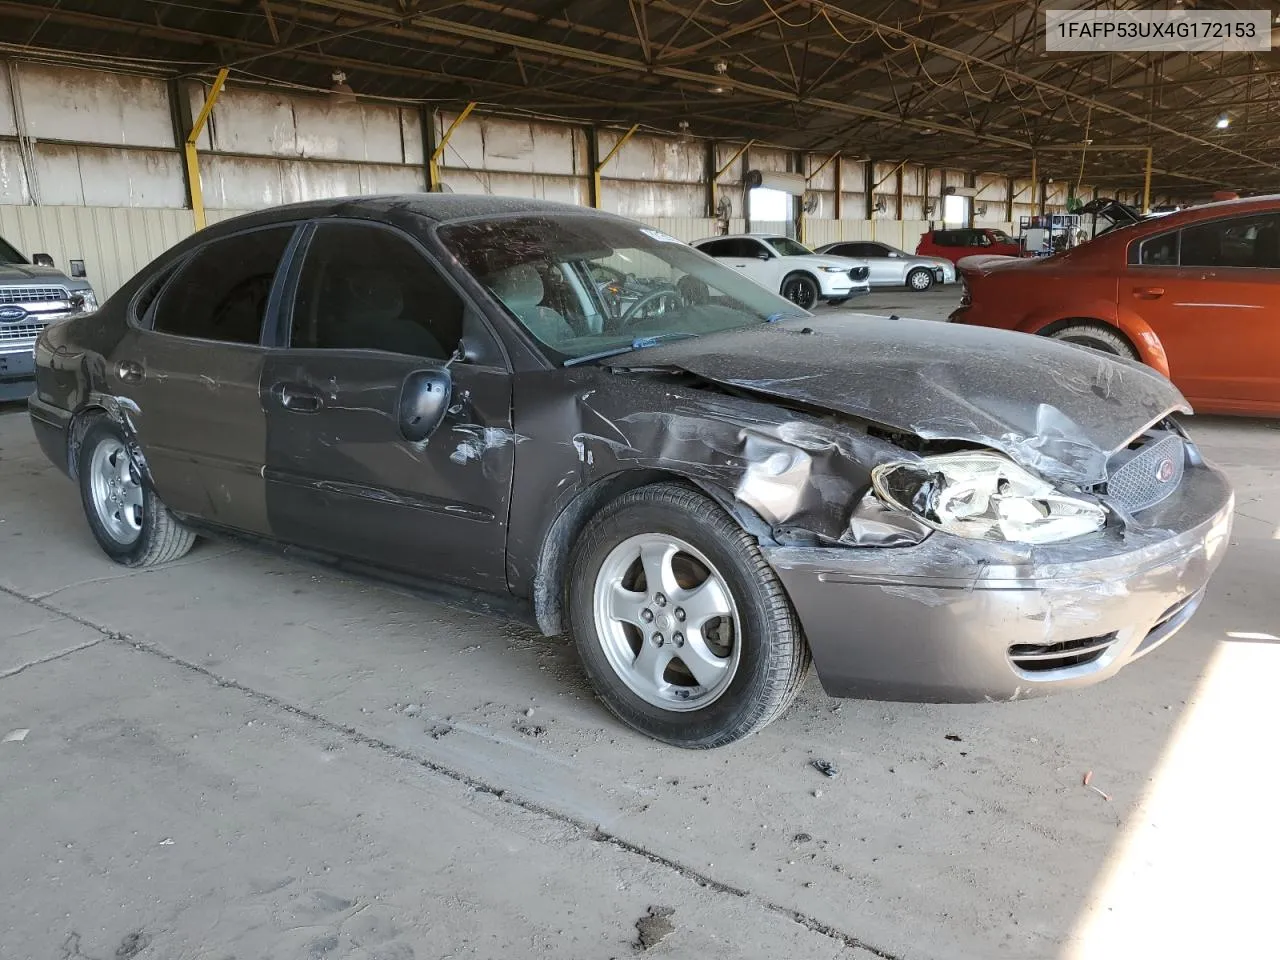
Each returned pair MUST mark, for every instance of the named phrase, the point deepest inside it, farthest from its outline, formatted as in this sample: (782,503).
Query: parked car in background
(953,245)
(1194,294)
(706,493)
(790,268)
(891,267)
(32,296)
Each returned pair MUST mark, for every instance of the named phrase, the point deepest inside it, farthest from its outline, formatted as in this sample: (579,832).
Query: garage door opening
(771,210)
(955,211)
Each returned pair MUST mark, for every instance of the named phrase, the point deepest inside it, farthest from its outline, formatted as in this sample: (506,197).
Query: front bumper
(50,425)
(17,372)
(952,620)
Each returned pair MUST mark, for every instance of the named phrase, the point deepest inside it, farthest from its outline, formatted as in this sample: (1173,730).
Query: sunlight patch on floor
(1194,872)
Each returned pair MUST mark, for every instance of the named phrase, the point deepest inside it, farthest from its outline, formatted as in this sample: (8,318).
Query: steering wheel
(657,296)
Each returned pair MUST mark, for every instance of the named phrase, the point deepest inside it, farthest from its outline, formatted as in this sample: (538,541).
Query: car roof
(438,207)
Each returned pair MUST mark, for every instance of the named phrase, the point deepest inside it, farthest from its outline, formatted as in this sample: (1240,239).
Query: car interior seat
(367,312)
(520,288)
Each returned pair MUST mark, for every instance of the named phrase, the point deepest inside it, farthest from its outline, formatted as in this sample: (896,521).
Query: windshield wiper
(639,343)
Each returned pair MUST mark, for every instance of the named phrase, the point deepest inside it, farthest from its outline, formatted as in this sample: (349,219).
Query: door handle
(1148,293)
(130,371)
(299,399)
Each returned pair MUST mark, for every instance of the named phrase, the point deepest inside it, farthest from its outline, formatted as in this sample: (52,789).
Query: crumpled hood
(1058,409)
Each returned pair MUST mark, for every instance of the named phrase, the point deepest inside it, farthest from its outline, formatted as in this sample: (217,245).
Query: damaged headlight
(985,496)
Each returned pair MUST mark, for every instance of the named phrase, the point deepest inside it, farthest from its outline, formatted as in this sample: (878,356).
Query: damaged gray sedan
(707,487)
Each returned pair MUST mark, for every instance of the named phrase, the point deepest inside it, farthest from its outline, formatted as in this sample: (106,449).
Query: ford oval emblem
(12,314)
(1164,470)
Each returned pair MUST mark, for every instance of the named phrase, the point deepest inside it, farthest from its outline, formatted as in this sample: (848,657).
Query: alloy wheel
(116,491)
(667,622)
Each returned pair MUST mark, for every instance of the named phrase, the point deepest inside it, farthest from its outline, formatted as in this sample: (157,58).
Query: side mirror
(764,255)
(424,401)
(42,260)
(77,269)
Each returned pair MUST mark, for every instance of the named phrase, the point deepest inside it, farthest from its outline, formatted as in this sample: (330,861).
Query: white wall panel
(63,103)
(639,199)
(560,189)
(687,229)
(108,176)
(13,177)
(653,158)
(8,126)
(514,146)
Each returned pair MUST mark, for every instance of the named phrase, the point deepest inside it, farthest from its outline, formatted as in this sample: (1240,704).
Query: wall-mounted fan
(811,202)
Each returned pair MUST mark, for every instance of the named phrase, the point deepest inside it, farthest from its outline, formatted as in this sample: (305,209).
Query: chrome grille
(1148,475)
(33,295)
(10,332)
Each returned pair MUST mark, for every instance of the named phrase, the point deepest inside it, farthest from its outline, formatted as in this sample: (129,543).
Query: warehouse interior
(247,754)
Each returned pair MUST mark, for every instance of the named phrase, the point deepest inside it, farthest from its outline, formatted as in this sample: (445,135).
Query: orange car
(1195,294)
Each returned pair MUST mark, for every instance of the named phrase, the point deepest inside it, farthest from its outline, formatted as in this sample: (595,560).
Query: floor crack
(13,672)
(352,735)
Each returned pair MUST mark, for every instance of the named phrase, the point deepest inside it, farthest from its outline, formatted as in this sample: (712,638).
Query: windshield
(8,255)
(789,248)
(585,285)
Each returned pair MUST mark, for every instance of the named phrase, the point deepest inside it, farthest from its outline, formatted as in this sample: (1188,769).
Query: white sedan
(892,267)
(791,268)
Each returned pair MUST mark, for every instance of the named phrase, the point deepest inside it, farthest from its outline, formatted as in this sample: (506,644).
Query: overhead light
(1223,122)
(341,91)
(721,66)
(684,129)
(718,88)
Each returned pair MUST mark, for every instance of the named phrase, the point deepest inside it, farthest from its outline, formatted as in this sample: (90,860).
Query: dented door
(341,478)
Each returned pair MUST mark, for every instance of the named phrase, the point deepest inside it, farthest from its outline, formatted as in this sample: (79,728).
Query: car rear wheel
(682,626)
(128,520)
(1097,337)
(801,290)
(920,279)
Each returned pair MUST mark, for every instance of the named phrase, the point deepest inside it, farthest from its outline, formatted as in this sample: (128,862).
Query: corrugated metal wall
(96,172)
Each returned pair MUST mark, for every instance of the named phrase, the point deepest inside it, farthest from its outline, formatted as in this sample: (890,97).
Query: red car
(954,244)
(1194,294)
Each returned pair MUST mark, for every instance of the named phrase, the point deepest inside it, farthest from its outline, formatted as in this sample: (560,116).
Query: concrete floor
(243,756)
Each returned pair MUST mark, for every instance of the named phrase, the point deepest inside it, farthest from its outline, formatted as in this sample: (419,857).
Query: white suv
(791,268)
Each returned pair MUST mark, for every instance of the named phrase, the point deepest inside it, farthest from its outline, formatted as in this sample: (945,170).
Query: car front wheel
(130,523)
(920,279)
(681,624)
(801,290)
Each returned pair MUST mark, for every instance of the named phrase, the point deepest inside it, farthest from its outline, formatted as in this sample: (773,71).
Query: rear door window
(221,292)
(1159,251)
(717,248)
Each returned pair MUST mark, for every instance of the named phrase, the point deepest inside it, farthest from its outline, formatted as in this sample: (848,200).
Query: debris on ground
(653,927)
(167,842)
(954,738)
(530,730)
(801,838)
(16,736)
(817,793)
(825,767)
(1088,777)
(438,730)
(529,712)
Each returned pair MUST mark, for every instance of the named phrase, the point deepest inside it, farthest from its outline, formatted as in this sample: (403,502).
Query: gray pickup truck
(32,296)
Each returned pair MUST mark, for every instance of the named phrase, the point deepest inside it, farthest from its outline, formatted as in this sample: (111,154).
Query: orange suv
(1195,294)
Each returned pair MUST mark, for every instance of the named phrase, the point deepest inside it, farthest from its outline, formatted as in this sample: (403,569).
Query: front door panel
(341,478)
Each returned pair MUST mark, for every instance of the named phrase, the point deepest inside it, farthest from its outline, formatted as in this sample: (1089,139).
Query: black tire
(1097,336)
(160,537)
(773,657)
(838,302)
(920,279)
(801,289)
